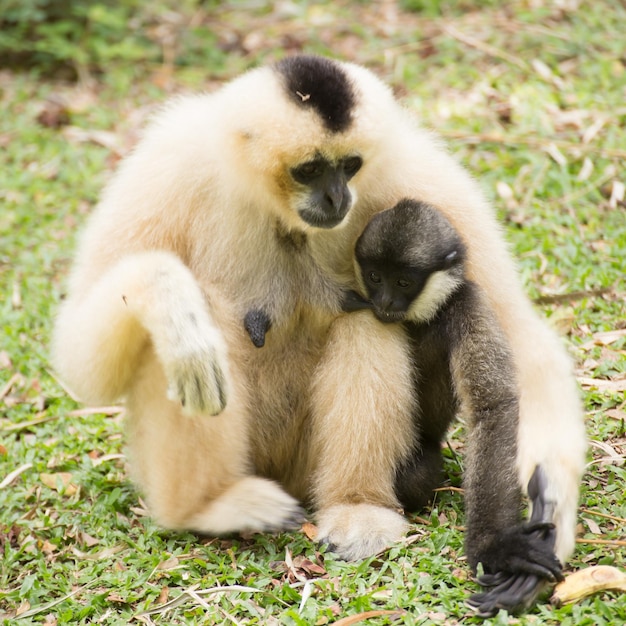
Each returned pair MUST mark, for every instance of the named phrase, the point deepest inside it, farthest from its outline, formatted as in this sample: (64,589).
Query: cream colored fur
(185,241)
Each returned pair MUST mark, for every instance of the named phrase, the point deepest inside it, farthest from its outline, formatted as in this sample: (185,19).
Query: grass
(530,97)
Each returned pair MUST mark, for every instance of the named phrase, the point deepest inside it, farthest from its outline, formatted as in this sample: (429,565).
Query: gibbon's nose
(385,300)
(336,197)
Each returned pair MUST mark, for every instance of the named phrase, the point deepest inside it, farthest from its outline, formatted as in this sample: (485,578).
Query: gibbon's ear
(451,259)
(257,323)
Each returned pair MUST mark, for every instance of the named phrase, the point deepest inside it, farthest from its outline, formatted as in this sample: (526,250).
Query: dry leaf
(361,617)
(615,414)
(170,563)
(5,360)
(588,581)
(301,562)
(88,540)
(103,554)
(310,530)
(604,338)
(618,190)
(115,597)
(61,479)
(48,548)
(163,596)
(602,384)
(593,526)
(22,608)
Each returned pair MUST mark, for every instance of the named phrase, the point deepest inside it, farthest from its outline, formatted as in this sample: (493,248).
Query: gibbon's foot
(197,381)
(356,531)
(252,504)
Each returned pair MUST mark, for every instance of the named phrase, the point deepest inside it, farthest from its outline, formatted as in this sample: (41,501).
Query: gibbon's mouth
(318,220)
(389,317)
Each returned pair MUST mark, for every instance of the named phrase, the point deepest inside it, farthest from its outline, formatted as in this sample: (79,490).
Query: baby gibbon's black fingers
(493,580)
(257,323)
(352,301)
(516,552)
(546,531)
(550,568)
(515,593)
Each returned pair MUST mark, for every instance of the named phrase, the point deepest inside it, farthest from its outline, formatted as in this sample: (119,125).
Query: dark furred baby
(411,264)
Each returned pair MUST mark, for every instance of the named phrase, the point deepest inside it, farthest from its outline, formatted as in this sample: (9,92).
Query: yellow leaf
(588,581)
(59,482)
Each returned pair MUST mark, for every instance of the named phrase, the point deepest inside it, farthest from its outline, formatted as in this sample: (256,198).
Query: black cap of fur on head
(413,233)
(321,84)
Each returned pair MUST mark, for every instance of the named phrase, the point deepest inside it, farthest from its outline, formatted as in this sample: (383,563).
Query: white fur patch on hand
(197,381)
(356,531)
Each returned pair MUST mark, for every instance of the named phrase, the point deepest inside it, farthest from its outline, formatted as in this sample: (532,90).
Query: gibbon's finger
(493,580)
(197,381)
(514,594)
(549,568)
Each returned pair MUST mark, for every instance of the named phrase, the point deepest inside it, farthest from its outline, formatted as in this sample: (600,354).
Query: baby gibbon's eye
(352,165)
(403,283)
(374,277)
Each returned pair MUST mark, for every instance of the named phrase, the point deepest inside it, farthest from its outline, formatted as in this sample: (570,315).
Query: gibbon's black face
(327,199)
(392,288)
(410,259)
(319,85)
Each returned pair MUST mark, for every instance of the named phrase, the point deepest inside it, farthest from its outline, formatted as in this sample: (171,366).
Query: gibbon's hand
(527,563)
(512,593)
(524,561)
(196,379)
(352,301)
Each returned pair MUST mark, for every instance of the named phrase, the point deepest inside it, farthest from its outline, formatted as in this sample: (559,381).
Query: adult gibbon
(254,196)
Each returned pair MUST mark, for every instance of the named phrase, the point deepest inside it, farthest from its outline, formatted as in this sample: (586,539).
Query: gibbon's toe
(197,381)
(252,504)
(357,531)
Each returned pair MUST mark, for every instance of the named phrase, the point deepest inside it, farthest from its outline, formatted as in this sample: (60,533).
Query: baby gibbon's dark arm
(485,380)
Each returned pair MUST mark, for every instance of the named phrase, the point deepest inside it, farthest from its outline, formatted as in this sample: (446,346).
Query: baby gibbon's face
(392,289)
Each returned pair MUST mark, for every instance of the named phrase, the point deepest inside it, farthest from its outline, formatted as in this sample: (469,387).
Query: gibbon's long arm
(149,296)
(484,378)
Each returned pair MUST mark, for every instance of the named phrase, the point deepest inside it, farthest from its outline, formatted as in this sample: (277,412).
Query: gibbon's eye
(403,283)
(374,277)
(352,165)
(309,171)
